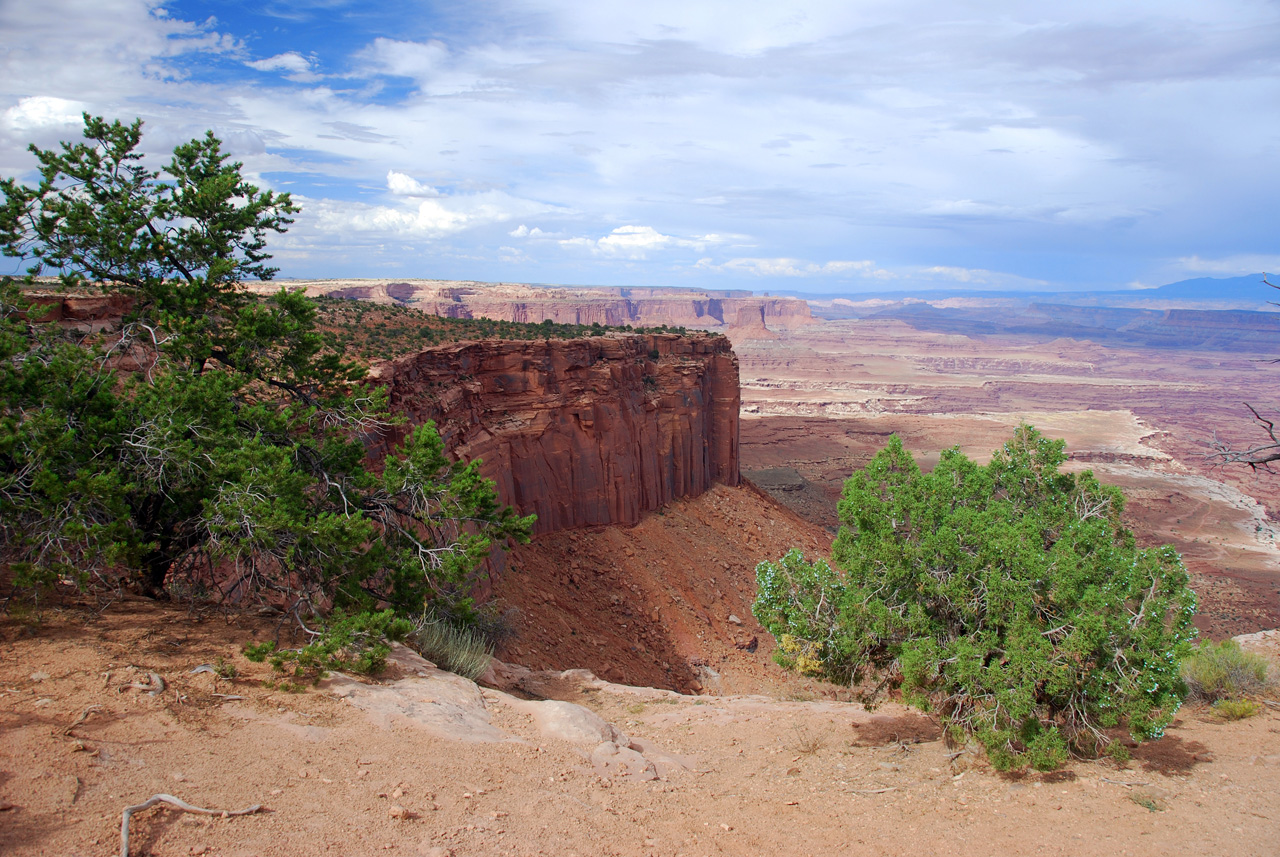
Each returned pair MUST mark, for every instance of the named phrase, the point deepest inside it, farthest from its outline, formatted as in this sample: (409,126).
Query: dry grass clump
(1215,672)
(1236,709)
(463,651)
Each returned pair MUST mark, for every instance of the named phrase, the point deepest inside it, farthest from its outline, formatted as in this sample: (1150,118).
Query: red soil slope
(651,604)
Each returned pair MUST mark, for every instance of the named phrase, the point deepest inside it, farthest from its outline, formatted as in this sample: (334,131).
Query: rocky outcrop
(581,432)
(614,307)
(82,312)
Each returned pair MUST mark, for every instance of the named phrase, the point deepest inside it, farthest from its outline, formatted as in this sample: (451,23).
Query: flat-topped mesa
(615,307)
(582,432)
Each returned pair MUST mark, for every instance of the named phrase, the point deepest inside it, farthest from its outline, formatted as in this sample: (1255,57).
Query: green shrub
(1236,709)
(460,650)
(358,643)
(1217,671)
(1007,598)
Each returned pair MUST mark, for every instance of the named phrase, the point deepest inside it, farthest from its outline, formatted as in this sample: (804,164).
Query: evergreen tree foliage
(212,429)
(1008,598)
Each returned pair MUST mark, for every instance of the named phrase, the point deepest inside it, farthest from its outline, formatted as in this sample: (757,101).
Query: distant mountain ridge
(1240,331)
(1248,292)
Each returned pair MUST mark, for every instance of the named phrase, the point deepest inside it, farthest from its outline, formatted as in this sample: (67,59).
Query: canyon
(629,627)
(819,402)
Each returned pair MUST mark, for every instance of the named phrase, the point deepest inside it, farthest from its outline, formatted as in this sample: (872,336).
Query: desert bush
(458,649)
(1236,709)
(1218,671)
(1008,599)
(357,642)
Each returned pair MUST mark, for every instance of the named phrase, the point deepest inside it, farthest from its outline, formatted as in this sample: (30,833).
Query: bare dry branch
(1257,456)
(178,804)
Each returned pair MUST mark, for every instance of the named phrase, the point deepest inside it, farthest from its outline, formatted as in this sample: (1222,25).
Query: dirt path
(766,775)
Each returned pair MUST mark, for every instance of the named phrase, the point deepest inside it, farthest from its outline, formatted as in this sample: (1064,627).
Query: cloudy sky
(837,146)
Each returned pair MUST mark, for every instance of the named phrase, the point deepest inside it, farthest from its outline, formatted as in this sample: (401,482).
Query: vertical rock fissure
(581,432)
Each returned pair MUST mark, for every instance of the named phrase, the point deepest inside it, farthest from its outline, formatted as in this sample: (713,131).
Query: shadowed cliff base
(666,603)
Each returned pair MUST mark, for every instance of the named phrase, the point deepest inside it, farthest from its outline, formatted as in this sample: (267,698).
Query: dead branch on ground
(179,804)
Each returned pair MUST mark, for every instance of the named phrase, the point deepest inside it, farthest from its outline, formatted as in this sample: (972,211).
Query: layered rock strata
(581,432)
(90,313)
(614,307)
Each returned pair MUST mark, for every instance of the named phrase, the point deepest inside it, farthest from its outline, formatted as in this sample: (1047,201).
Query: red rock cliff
(582,432)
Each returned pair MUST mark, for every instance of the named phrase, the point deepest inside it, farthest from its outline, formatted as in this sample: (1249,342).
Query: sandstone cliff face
(83,312)
(615,307)
(581,432)
(701,312)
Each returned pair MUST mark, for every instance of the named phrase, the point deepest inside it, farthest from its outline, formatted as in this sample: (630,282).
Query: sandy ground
(766,775)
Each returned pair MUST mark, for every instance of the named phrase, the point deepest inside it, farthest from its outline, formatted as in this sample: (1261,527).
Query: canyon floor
(820,401)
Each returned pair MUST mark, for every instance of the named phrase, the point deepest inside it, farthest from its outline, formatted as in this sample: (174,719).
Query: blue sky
(817,146)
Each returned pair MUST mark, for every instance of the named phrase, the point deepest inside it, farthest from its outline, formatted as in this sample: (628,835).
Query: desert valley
(634,708)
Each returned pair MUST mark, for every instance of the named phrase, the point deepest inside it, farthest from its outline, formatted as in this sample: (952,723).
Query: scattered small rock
(39,676)
(398,812)
(734,620)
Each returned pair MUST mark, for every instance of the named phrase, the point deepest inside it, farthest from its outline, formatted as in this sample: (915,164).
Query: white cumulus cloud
(523,231)
(43,111)
(637,242)
(402,184)
(431,218)
(295,65)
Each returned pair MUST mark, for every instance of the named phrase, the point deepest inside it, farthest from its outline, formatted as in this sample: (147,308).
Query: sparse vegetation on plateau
(368,331)
(1008,599)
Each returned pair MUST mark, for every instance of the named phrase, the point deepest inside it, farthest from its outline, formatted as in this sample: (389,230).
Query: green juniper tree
(1007,598)
(213,428)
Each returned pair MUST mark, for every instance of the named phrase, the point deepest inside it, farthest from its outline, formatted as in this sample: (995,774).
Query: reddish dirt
(651,605)
(769,775)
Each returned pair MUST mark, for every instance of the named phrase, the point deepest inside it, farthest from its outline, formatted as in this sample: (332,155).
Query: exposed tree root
(84,715)
(177,803)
